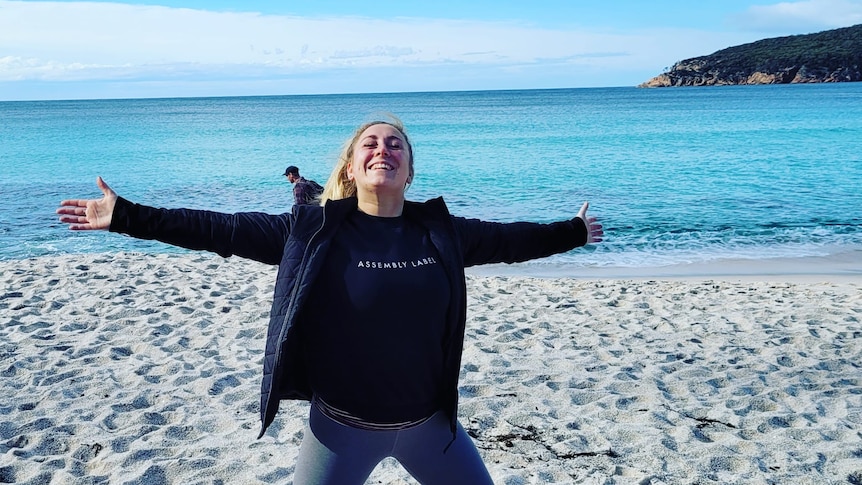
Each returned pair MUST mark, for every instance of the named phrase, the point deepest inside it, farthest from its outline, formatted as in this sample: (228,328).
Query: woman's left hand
(594,228)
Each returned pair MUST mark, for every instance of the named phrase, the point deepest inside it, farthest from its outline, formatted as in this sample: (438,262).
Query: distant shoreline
(842,267)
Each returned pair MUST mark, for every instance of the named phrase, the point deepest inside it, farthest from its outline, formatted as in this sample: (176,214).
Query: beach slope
(133,368)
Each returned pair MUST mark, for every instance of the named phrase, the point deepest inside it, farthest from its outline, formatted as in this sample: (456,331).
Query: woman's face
(381,160)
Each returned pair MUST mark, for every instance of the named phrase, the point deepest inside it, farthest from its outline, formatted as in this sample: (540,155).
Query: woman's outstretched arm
(252,235)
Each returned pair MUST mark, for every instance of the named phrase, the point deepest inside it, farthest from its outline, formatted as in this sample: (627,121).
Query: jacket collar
(433,208)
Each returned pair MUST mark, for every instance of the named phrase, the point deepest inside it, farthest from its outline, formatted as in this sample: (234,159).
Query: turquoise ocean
(676,175)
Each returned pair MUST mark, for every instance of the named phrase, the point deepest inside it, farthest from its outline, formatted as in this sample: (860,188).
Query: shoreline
(843,267)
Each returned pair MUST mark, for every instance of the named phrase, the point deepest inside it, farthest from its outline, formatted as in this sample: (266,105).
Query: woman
(369,309)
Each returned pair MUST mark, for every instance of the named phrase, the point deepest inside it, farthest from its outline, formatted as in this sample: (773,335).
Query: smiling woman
(376,348)
(376,167)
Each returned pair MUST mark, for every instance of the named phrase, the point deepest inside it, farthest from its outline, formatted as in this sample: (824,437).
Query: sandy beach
(146,369)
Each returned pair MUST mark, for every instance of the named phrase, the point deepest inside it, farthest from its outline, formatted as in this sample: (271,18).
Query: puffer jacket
(297,242)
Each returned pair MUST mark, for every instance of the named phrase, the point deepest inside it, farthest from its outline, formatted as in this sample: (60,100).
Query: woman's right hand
(89,214)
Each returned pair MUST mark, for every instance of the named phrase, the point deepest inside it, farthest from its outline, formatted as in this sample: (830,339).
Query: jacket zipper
(294,292)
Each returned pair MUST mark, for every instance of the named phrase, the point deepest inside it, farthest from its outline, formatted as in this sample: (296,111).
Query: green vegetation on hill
(829,56)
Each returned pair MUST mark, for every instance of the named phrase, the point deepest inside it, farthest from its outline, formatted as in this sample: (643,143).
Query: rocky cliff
(829,56)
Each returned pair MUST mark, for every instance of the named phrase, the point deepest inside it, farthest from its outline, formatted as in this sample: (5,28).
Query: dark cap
(292,170)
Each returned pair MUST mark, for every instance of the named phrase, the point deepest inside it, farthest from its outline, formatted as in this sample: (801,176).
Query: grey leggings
(332,453)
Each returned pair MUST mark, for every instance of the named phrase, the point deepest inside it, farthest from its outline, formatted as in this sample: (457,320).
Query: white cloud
(58,49)
(81,40)
(801,17)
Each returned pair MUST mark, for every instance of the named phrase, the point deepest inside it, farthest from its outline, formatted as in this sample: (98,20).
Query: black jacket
(297,243)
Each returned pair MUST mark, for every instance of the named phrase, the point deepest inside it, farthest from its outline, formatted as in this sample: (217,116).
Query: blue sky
(99,49)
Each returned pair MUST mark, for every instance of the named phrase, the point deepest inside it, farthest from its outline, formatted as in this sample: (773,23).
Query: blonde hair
(338,186)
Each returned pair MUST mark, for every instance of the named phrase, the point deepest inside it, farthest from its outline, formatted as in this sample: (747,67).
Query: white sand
(146,370)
